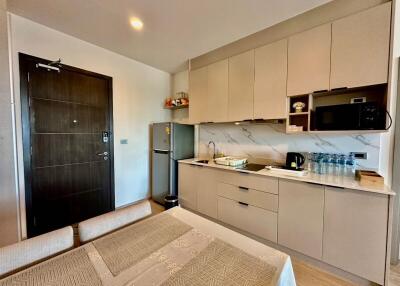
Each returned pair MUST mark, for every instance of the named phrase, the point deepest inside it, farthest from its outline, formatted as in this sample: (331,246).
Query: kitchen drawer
(252,219)
(256,182)
(250,196)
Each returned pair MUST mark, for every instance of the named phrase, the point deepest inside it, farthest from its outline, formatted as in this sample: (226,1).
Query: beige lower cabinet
(206,182)
(197,189)
(355,231)
(258,221)
(187,190)
(246,180)
(250,196)
(300,219)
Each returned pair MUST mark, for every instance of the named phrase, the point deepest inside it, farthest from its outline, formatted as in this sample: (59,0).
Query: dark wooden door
(68,152)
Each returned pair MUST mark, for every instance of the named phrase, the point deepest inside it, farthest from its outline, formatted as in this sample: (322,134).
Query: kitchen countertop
(327,180)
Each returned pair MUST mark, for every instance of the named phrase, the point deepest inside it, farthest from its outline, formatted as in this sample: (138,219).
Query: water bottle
(350,165)
(325,163)
(342,165)
(334,164)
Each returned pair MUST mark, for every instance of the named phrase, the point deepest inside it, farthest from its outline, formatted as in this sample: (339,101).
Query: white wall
(8,195)
(138,94)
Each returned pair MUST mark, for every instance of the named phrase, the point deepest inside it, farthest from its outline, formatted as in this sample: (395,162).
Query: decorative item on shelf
(180,101)
(294,128)
(299,106)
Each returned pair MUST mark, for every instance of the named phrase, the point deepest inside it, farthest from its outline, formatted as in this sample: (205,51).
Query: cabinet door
(217,103)
(309,56)
(355,229)
(241,86)
(270,81)
(360,48)
(187,186)
(206,181)
(198,95)
(300,217)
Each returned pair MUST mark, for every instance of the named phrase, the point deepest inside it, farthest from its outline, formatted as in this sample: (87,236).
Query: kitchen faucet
(212,142)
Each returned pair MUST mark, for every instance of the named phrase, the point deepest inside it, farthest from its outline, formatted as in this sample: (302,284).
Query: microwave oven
(355,116)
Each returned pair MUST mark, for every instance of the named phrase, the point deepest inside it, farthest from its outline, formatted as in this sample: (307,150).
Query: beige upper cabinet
(300,217)
(355,230)
(309,55)
(217,99)
(270,81)
(198,94)
(241,86)
(360,48)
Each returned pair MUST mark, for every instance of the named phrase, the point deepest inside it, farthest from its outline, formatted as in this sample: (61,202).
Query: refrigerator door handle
(161,151)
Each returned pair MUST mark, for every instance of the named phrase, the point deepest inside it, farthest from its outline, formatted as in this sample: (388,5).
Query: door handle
(105,153)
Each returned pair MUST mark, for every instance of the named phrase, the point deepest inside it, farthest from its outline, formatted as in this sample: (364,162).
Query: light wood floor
(309,275)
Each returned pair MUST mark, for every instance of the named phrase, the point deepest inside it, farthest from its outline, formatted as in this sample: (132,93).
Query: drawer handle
(243,188)
(243,204)
(320,91)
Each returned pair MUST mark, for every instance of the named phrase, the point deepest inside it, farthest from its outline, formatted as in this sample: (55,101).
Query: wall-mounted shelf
(176,107)
(298,113)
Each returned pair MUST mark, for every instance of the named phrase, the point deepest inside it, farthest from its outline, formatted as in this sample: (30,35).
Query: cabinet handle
(243,204)
(339,88)
(320,91)
(206,122)
(247,120)
(315,184)
(243,188)
(242,172)
(335,187)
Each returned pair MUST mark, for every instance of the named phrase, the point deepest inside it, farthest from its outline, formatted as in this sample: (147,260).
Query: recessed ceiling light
(136,23)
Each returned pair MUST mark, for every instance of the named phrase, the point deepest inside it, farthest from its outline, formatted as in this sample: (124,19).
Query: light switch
(124,141)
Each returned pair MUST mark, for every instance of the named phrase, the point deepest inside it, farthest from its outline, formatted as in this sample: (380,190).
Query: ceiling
(174,30)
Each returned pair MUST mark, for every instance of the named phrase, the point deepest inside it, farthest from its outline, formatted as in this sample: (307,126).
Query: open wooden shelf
(176,107)
(298,113)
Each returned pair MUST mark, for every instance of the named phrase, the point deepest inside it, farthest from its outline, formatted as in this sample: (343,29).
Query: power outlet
(360,155)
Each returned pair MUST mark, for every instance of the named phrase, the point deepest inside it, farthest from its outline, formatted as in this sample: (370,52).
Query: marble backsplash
(270,142)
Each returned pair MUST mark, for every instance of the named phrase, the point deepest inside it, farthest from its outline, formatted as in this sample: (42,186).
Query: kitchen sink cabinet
(207,191)
(360,48)
(309,57)
(270,81)
(300,217)
(187,185)
(241,86)
(355,230)
(197,189)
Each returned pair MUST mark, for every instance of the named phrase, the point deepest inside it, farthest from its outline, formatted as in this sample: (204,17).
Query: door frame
(24,60)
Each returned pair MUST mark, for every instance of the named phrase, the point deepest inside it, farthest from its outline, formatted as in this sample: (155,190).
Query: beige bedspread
(173,248)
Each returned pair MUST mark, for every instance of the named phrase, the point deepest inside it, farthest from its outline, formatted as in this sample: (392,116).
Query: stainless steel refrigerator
(171,142)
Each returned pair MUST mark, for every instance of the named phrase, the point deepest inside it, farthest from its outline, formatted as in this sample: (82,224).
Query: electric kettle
(294,160)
